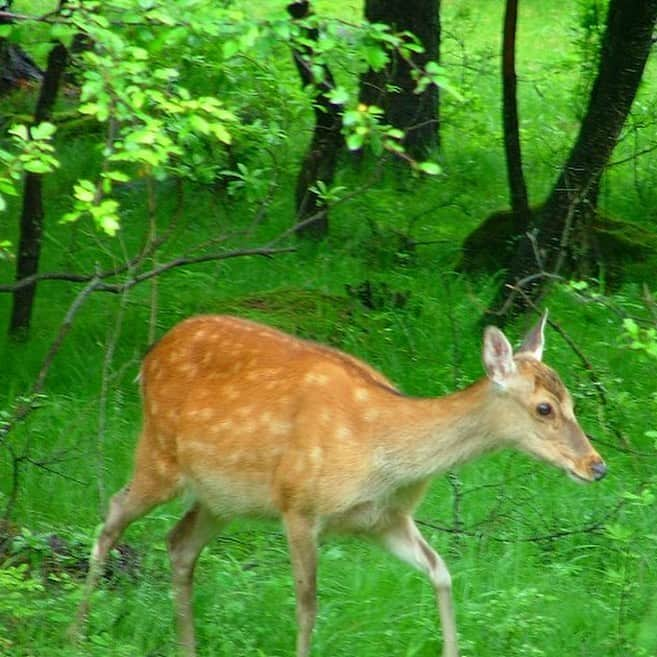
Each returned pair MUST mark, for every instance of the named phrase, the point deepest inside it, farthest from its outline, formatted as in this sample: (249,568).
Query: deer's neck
(435,435)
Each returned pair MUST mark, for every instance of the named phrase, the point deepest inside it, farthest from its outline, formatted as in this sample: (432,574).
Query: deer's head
(537,413)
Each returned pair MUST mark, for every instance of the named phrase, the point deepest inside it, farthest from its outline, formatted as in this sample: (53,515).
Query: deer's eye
(544,409)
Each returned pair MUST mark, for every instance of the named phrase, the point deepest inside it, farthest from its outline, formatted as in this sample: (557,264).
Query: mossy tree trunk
(561,225)
(416,114)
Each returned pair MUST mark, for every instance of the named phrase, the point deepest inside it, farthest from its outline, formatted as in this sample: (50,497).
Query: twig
(118,288)
(649,300)
(25,408)
(517,287)
(536,538)
(102,402)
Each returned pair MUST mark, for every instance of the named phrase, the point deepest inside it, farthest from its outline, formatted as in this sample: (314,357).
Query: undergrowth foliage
(202,97)
(140,66)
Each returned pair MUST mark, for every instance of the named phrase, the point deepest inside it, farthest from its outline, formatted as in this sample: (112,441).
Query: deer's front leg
(404,540)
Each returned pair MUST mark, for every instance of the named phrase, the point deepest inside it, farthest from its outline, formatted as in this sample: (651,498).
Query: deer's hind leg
(149,487)
(186,541)
(404,540)
(302,540)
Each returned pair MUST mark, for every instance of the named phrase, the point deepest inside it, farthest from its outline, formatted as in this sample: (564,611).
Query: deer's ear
(497,355)
(535,340)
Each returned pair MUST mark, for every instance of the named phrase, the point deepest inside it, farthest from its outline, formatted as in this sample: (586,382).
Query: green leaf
(375,56)
(430,168)
(63,33)
(19,131)
(395,133)
(352,117)
(70,217)
(109,224)
(84,191)
(199,124)
(117,176)
(44,130)
(221,133)
(354,141)
(230,48)
(433,68)
(338,96)
(631,327)
(37,166)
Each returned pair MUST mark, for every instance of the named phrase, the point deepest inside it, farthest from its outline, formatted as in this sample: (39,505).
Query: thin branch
(592,527)
(25,408)
(634,156)
(46,467)
(112,341)
(650,303)
(118,288)
(30,403)
(72,277)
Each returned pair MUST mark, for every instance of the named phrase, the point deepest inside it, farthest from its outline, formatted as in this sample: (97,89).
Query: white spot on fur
(343,433)
(204,414)
(189,369)
(371,415)
(230,392)
(360,394)
(280,427)
(249,426)
(316,378)
(244,411)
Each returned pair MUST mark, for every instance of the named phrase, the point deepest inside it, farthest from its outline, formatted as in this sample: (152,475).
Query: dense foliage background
(180,130)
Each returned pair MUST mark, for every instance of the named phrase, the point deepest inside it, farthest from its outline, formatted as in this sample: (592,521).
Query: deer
(251,421)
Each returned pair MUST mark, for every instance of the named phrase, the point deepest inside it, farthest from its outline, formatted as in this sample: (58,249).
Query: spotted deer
(252,421)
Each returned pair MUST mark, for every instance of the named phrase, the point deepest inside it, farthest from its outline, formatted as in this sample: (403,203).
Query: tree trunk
(552,248)
(31,221)
(416,114)
(513,152)
(321,158)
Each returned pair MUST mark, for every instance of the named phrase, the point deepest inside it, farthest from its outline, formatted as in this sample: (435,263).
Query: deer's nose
(599,470)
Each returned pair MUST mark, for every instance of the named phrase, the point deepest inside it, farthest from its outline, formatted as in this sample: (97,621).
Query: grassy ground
(545,568)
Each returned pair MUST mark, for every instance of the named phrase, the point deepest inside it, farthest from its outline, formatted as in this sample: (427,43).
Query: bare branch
(535,538)
(72,277)
(181,262)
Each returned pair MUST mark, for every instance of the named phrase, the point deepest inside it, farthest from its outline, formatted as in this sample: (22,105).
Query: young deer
(255,422)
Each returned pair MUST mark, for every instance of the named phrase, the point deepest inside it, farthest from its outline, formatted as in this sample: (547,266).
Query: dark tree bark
(561,228)
(321,158)
(16,66)
(416,114)
(513,152)
(32,214)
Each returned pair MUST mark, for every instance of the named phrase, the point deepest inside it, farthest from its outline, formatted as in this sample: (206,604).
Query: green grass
(579,593)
